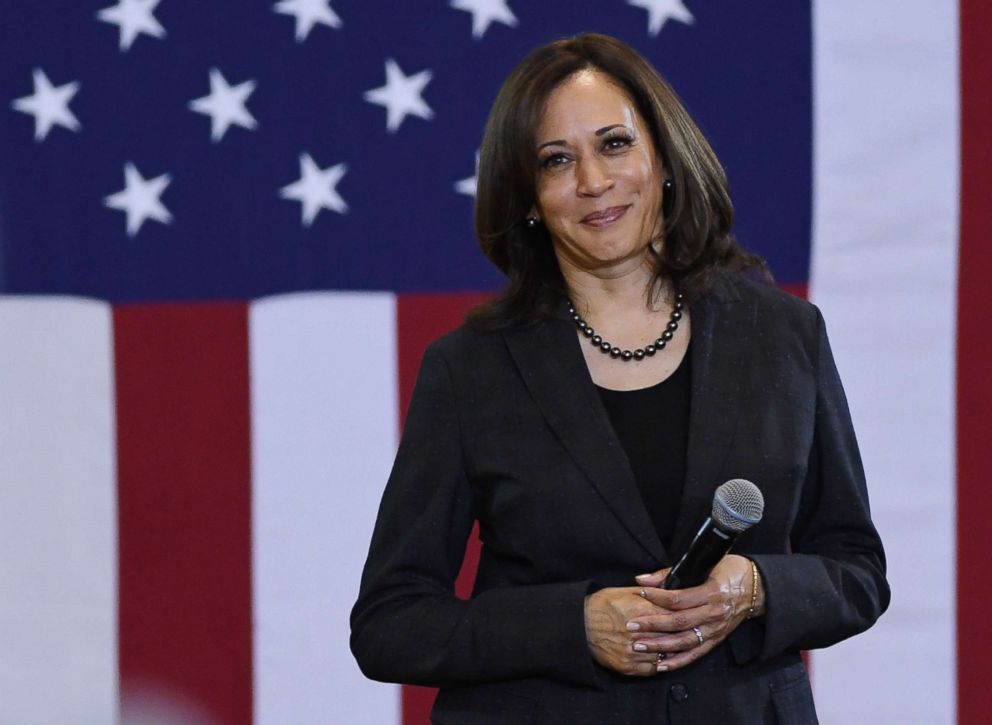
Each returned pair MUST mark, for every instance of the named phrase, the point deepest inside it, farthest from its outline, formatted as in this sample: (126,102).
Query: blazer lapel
(550,360)
(719,340)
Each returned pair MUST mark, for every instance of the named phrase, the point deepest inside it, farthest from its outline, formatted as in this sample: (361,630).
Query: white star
(467,186)
(140,199)
(661,11)
(308,13)
(486,12)
(316,189)
(401,95)
(225,105)
(49,105)
(133,17)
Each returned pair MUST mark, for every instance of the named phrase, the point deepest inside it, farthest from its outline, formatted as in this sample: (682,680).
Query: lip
(604,217)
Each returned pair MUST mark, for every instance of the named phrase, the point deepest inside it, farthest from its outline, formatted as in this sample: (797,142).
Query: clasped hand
(642,630)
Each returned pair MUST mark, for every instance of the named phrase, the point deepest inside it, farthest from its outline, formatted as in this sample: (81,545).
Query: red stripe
(420,319)
(974,385)
(184,507)
(799,289)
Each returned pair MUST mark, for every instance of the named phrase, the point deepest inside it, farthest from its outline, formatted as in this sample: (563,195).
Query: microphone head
(737,505)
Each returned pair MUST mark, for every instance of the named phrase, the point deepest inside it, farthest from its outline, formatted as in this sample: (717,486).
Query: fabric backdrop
(228,230)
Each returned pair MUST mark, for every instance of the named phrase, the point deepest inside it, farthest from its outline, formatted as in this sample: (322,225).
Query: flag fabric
(229,230)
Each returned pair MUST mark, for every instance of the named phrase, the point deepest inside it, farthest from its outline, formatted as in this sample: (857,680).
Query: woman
(588,461)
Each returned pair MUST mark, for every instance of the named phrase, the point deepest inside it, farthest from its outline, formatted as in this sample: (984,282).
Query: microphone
(737,506)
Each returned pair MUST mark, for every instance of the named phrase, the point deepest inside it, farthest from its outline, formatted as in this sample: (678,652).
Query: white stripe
(58,521)
(324,430)
(884,273)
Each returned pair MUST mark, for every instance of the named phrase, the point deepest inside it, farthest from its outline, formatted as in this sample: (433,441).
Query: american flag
(229,229)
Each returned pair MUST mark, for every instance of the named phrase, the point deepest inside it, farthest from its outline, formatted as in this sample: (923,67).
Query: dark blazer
(507,427)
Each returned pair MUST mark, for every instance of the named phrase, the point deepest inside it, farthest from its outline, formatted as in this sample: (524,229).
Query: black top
(653,427)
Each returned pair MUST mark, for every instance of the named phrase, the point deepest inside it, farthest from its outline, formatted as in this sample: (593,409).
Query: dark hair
(698,220)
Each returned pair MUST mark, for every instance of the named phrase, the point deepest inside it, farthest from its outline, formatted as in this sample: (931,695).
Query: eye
(553,160)
(617,142)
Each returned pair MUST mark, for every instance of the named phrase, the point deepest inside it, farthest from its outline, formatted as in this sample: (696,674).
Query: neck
(621,288)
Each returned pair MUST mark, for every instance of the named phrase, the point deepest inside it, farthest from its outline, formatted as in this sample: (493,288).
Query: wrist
(756,607)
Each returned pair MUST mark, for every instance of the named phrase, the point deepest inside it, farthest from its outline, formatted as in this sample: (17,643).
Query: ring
(662,656)
(699,635)
(644,593)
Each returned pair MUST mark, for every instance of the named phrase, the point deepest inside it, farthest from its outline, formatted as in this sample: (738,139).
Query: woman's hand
(690,622)
(611,642)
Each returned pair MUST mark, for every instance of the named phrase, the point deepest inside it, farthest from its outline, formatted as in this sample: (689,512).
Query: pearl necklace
(626,355)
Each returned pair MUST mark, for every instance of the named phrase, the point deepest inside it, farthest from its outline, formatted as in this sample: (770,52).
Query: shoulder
(768,322)
(478,372)
(469,356)
(769,305)
(465,344)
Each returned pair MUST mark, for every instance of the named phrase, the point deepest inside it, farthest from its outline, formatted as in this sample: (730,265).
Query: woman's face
(598,178)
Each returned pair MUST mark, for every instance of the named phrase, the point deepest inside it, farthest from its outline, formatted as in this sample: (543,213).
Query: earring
(668,186)
(531,222)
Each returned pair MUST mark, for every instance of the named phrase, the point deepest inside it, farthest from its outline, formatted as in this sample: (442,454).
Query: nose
(593,176)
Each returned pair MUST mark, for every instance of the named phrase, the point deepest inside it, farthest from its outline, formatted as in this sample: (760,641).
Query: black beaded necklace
(639,353)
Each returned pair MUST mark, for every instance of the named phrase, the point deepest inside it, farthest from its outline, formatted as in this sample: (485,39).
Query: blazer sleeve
(832,585)
(407,625)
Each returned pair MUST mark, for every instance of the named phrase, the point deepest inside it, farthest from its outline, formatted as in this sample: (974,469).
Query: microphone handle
(710,545)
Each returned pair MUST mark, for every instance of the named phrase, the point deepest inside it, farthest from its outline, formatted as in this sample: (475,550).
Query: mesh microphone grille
(738,505)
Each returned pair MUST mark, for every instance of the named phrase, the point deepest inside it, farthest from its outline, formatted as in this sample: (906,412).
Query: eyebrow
(604,129)
(599,132)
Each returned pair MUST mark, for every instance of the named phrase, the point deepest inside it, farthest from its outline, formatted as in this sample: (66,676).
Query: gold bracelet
(754,589)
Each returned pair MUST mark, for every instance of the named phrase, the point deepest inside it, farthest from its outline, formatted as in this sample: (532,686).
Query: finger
(678,621)
(644,658)
(673,599)
(668,644)
(654,579)
(639,605)
(720,610)
(644,666)
(673,643)
(681,659)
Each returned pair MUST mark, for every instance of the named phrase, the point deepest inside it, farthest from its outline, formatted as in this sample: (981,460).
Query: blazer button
(679,692)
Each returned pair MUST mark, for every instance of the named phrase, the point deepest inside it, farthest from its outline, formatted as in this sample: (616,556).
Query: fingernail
(662,667)
(640,647)
(642,576)
(633,627)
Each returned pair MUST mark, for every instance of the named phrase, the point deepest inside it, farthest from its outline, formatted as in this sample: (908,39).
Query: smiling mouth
(605,217)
